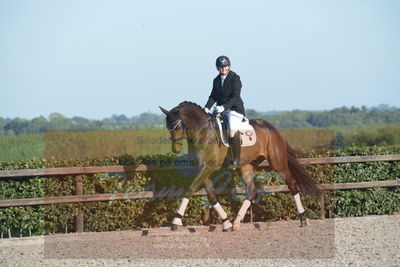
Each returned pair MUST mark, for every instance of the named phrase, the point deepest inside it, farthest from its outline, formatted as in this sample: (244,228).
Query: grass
(106,143)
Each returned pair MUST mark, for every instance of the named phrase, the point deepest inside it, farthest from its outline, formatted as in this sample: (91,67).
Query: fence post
(251,213)
(322,206)
(79,192)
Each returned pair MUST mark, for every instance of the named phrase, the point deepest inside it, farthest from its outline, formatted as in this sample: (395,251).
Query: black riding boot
(235,146)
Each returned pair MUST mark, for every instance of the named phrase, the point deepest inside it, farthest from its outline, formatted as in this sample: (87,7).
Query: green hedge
(367,201)
(124,215)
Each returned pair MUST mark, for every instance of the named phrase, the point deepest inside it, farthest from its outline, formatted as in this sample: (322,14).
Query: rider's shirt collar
(223,78)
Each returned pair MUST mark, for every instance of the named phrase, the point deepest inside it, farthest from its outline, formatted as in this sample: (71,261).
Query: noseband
(177,126)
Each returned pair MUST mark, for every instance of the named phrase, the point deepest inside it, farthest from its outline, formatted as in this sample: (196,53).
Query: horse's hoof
(174,227)
(304,223)
(236,226)
(226,226)
(303,220)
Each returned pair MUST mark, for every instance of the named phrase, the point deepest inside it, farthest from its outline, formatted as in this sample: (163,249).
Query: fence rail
(162,195)
(143,168)
(79,196)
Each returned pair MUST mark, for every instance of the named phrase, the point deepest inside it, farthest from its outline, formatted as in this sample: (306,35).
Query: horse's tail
(303,180)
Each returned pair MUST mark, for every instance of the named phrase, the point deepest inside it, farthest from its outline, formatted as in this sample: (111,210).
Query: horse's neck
(199,132)
(194,120)
(198,126)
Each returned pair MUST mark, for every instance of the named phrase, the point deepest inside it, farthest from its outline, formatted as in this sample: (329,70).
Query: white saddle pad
(247,133)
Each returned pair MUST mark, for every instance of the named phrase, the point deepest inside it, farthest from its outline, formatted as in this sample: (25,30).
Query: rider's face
(224,70)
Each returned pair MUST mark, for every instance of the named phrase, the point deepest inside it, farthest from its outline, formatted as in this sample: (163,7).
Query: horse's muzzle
(176,148)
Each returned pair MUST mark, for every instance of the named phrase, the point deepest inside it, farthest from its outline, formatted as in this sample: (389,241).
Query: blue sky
(99,58)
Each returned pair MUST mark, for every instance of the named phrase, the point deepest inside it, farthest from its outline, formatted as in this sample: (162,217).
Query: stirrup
(232,164)
(236,164)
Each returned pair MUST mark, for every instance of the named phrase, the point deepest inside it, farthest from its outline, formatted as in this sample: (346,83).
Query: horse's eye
(169,125)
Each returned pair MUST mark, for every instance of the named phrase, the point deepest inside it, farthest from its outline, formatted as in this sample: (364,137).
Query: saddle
(247,132)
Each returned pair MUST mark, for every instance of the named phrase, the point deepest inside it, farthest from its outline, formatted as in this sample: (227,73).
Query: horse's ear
(164,110)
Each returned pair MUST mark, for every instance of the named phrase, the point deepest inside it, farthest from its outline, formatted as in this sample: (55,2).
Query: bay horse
(189,120)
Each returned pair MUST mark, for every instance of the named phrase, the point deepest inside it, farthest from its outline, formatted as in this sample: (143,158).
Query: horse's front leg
(193,188)
(251,191)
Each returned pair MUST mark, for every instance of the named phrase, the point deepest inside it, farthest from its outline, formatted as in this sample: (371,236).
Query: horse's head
(175,127)
(185,119)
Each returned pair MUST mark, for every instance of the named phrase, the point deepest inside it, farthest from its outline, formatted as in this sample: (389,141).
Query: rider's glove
(207,110)
(219,109)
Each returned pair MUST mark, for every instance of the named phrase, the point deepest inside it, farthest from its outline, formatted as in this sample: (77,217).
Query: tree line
(338,117)
(296,119)
(57,121)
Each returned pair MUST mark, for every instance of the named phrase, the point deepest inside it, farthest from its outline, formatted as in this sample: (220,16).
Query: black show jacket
(227,95)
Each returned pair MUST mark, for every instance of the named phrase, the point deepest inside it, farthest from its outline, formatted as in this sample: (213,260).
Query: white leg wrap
(222,214)
(299,206)
(226,225)
(246,204)
(177,221)
(183,206)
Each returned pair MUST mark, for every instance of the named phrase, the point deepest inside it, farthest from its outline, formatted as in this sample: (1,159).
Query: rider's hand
(219,109)
(207,110)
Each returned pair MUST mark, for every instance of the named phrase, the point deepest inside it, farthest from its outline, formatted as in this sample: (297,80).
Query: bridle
(177,126)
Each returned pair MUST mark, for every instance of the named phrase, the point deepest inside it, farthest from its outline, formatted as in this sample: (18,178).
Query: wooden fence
(79,196)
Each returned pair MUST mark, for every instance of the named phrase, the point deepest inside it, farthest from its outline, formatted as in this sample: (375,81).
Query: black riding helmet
(223,61)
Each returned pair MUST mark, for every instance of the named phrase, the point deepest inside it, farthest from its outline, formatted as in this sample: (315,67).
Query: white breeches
(235,119)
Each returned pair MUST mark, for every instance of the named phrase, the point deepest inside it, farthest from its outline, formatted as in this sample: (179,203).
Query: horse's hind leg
(212,197)
(288,177)
(251,191)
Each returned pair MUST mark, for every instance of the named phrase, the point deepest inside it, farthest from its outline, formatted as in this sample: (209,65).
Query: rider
(226,92)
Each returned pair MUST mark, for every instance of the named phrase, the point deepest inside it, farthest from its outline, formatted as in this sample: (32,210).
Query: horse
(189,121)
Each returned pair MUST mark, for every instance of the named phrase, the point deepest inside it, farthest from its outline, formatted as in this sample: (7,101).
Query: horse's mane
(193,108)
(191,105)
